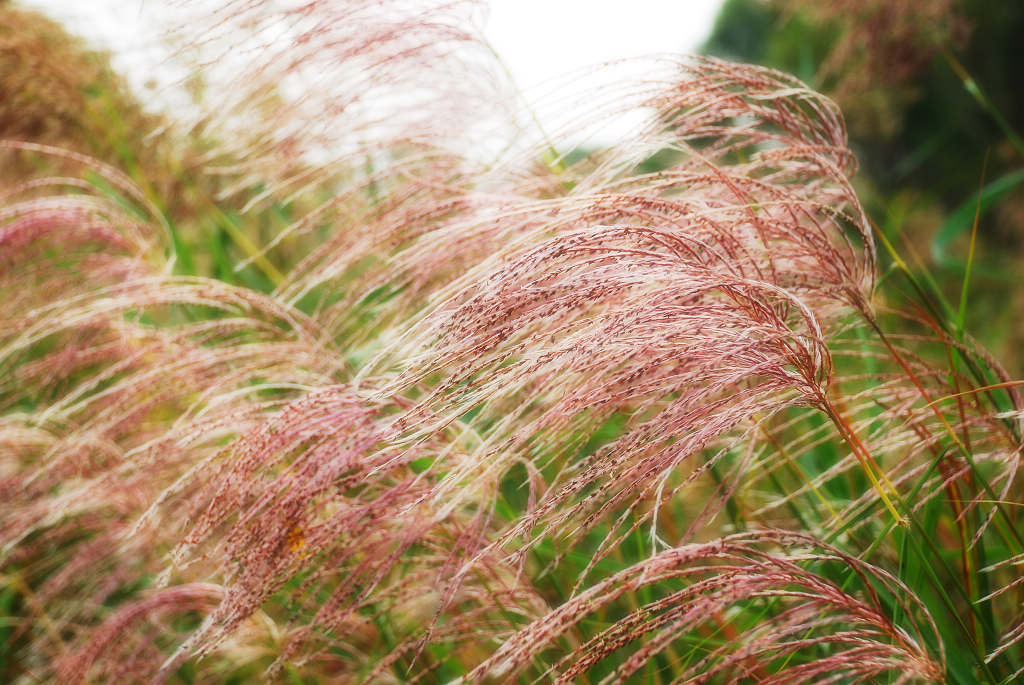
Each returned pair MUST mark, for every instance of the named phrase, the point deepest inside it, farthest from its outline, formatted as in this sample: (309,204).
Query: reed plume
(514,414)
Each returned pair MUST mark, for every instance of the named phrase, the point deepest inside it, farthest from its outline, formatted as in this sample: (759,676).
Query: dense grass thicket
(314,381)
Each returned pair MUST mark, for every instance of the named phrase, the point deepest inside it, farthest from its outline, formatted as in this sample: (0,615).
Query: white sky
(537,39)
(542,40)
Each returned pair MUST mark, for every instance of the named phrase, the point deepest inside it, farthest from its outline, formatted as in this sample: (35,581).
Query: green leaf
(962,217)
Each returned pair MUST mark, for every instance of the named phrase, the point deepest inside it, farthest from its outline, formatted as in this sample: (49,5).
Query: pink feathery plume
(807,609)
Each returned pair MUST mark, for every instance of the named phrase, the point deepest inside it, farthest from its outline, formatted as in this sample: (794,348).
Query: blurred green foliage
(931,93)
(56,90)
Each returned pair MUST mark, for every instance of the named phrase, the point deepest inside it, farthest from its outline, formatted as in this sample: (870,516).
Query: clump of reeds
(509,419)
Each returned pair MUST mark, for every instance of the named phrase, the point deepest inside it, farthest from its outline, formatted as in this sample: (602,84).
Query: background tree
(930,91)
